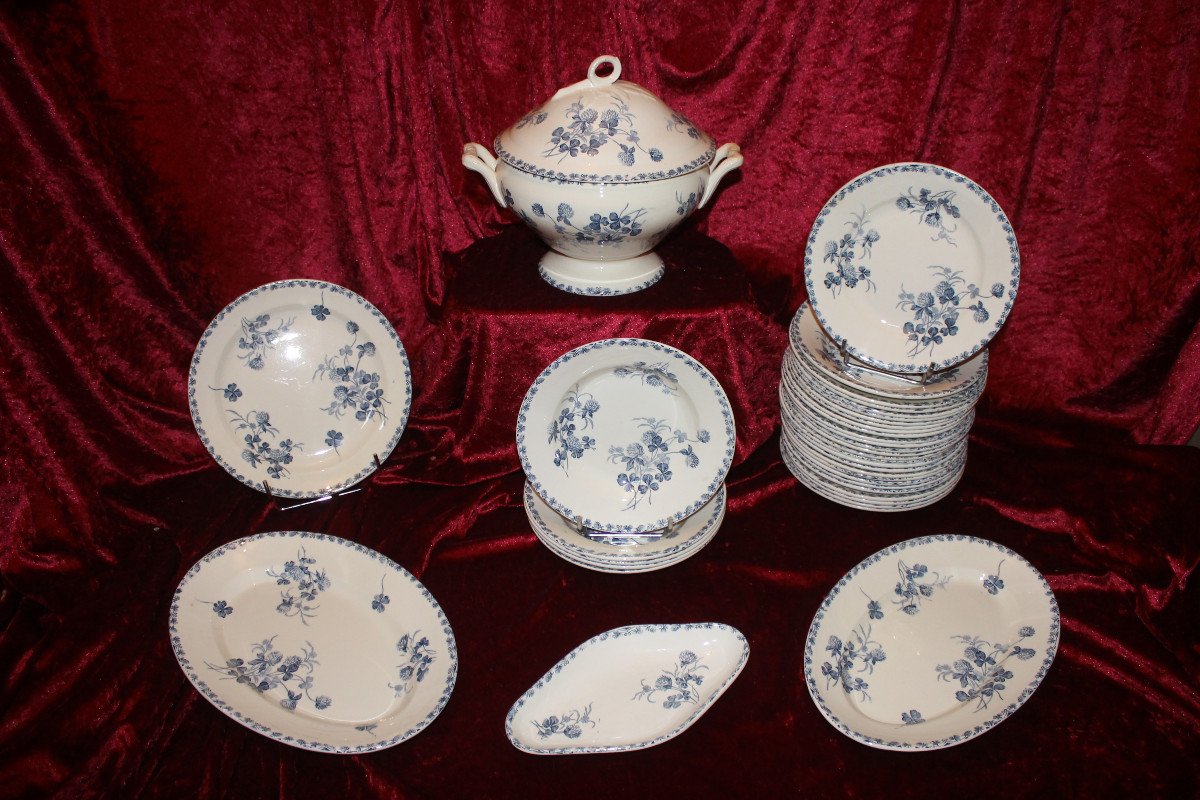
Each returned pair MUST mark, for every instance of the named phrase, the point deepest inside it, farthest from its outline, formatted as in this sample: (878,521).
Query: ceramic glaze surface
(931,642)
(314,641)
(912,266)
(300,385)
(627,689)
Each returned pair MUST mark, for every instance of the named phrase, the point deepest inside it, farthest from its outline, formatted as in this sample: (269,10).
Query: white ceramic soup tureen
(602,171)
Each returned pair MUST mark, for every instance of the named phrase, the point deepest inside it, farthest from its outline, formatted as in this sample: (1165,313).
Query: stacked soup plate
(625,445)
(911,270)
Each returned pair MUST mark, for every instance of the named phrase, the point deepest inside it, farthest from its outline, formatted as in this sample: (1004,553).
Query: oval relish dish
(628,689)
(314,641)
(300,388)
(912,267)
(931,642)
(625,435)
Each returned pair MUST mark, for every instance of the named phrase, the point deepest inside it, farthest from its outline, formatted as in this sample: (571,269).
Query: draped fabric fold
(159,159)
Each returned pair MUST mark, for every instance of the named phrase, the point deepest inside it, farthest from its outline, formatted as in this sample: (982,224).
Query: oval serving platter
(931,642)
(912,266)
(314,641)
(625,435)
(627,689)
(300,388)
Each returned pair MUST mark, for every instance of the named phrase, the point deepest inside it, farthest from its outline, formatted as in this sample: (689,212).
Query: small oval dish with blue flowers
(625,435)
(931,642)
(913,267)
(314,641)
(300,388)
(628,689)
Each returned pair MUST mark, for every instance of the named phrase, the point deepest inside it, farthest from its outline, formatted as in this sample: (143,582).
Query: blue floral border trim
(615,633)
(662,522)
(690,543)
(578,177)
(948,174)
(970,733)
(276,488)
(211,696)
(600,291)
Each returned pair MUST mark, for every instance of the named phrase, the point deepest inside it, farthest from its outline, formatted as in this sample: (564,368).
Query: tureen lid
(604,130)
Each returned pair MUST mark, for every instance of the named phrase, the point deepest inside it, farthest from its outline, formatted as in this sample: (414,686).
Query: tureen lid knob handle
(608,79)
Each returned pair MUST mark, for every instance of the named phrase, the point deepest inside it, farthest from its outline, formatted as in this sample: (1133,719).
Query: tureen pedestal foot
(596,278)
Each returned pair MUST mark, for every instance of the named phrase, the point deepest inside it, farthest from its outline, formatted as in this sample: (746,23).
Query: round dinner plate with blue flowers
(931,642)
(314,641)
(625,435)
(913,267)
(300,388)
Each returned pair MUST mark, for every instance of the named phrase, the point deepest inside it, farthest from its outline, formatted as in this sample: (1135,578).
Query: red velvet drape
(158,159)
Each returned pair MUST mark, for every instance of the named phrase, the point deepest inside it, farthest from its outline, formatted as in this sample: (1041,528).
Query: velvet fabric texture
(159,159)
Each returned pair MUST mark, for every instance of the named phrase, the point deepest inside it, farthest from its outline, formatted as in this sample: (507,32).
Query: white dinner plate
(625,435)
(931,642)
(314,641)
(912,266)
(627,689)
(676,545)
(297,387)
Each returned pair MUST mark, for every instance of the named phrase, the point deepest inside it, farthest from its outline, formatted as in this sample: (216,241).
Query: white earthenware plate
(688,538)
(931,642)
(627,689)
(913,266)
(314,641)
(301,385)
(625,435)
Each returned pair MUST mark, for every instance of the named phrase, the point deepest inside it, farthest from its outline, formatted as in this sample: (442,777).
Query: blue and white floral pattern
(270,669)
(304,583)
(686,205)
(569,725)
(257,450)
(646,464)
(380,601)
(981,673)
(935,209)
(916,584)
(848,255)
(222,609)
(680,683)
(357,389)
(857,655)
(257,338)
(419,655)
(231,392)
(658,375)
(600,228)
(588,130)
(576,415)
(911,717)
(993,583)
(936,311)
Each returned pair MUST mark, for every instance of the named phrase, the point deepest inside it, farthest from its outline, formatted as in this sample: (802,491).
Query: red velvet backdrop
(157,159)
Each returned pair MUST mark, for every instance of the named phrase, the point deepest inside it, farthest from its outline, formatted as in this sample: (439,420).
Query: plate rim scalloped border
(177,646)
(701,371)
(625,630)
(1053,637)
(303,283)
(1011,284)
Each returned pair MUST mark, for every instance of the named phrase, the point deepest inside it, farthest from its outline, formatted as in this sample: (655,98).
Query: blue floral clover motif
(569,725)
(356,388)
(858,649)
(270,669)
(334,439)
(419,656)
(577,414)
(304,581)
(936,313)
(848,253)
(380,601)
(933,208)
(257,339)
(222,609)
(321,312)
(610,228)
(257,450)
(681,682)
(686,206)
(993,583)
(913,587)
(647,463)
(588,131)
(658,375)
(912,717)
(980,673)
(231,392)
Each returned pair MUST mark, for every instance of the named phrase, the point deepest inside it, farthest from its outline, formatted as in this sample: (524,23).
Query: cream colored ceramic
(602,171)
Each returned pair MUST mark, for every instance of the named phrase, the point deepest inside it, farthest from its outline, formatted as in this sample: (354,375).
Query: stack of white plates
(625,444)
(911,270)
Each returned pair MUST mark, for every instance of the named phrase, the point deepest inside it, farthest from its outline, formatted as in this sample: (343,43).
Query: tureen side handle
(727,158)
(477,159)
